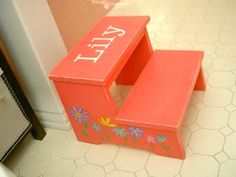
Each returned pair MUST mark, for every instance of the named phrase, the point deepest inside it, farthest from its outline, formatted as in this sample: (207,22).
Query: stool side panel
(85,105)
(136,63)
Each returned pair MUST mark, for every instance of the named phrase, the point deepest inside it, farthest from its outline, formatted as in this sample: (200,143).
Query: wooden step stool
(118,49)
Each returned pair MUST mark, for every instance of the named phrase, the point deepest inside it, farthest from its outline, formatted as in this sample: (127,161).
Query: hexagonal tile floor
(210,126)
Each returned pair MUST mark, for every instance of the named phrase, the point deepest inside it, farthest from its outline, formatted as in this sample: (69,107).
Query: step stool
(118,49)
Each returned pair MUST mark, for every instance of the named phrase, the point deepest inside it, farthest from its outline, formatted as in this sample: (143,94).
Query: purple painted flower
(79,114)
(135,131)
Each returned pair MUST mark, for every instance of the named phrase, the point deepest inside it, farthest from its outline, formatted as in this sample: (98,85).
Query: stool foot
(200,83)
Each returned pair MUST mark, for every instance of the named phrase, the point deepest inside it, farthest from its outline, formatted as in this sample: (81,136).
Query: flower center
(78,115)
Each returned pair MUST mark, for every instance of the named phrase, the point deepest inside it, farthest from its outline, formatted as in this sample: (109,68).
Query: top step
(160,96)
(102,52)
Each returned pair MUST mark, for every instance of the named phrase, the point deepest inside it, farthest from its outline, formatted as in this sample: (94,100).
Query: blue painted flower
(79,114)
(161,138)
(135,131)
(96,127)
(119,131)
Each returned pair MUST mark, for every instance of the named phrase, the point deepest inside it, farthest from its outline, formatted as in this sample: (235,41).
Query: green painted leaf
(85,133)
(106,136)
(125,139)
(134,140)
(165,147)
(85,125)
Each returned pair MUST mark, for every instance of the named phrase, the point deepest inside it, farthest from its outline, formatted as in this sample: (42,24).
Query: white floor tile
(199,165)
(207,142)
(80,162)
(233,88)
(34,165)
(196,97)
(230,145)
(186,37)
(224,64)
(209,27)
(207,62)
(229,27)
(228,169)
(217,97)
(209,49)
(221,79)
(52,143)
(226,50)
(190,27)
(61,168)
(232,120)
(188,152)
(162,166)
(230,108)
(193,127)
(226,130)
(234,99)
(221,157)
(74,149)
(130,159)
(228,38)
(101,154)
(165,37)
(208,37)
(109,168)
(190,115)
(119,173)
(89,170)
(213,118)
(142,173)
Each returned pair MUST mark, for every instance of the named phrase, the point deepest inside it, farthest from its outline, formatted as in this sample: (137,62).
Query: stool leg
(136,62)
(180,152)
(200,83)
(174,146)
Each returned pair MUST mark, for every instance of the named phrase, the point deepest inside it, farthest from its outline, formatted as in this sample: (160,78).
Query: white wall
(32,39)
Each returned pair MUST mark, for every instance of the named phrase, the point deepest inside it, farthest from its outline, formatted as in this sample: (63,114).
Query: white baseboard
(56,125)
(53,120)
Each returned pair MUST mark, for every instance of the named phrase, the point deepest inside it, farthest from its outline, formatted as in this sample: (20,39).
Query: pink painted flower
(151,139)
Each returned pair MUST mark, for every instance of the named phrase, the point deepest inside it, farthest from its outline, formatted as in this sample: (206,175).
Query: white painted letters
(101,43)
(112,29)
(94,59)
(103,39)
(98,45)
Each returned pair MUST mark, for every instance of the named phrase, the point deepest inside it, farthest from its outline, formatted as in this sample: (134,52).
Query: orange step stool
(118,49)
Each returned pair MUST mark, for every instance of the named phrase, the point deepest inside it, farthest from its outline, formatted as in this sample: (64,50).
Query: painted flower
(135,131)
(161,138)
(151,139)
(96,127)
(79,114)
(106,122)
(119,131)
